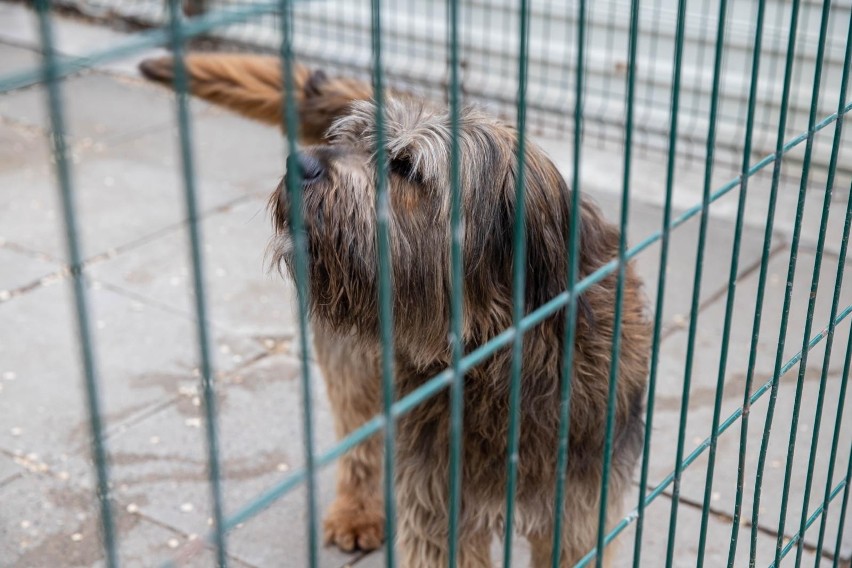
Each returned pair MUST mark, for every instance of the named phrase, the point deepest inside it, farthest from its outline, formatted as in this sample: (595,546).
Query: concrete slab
(226,148)
(703,392)
(655,539)
(654,542)
(22,148)
(602,171)
(8,469)
(244,297)
(144,355)
(98,107)
(160,463)
(51,522)
(119,199)
(16,59)
(18,270)
(646,220)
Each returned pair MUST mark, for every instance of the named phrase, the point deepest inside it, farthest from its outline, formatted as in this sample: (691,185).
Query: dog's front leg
(355,520)
(422,498)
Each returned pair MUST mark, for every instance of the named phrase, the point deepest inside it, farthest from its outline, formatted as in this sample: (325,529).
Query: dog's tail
(251,85)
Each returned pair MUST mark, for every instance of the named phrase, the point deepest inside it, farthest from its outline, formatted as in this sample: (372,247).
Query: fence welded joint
(141,41)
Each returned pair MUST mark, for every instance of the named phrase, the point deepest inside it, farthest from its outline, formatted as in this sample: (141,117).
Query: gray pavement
(133,229)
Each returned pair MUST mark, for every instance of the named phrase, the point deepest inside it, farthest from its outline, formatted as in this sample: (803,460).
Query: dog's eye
(402,166)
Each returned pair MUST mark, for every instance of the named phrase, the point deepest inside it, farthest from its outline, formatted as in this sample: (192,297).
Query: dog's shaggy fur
(340,224)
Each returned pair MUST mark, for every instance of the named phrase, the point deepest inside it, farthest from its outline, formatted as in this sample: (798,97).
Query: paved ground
(134,236)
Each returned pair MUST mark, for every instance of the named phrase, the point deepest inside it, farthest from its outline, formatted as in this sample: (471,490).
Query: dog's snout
(311,168)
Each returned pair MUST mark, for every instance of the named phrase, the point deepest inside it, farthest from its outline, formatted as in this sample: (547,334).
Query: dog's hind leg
(355,520)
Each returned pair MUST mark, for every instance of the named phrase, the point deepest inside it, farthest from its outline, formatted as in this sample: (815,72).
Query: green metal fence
(825,51)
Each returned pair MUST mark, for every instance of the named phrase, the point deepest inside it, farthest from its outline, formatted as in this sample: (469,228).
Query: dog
(339,175)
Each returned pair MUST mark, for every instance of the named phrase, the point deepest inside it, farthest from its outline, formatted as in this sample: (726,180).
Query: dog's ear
(325,99)
(490,222)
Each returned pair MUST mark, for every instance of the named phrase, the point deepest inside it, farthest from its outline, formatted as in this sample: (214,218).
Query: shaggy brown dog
(340,223)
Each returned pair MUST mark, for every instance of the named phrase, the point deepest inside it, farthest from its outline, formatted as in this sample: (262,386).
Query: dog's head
(340,220)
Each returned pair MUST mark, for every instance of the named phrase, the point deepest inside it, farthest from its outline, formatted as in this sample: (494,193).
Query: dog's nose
(312,169)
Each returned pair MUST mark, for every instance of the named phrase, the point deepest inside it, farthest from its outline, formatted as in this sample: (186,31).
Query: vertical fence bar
(661,278)
(841,398)
(693,314)
(838,283)
(619,291)
(297,233)
(791,272)
(571,312)
(744,181)
(457,292)
(195,240)
(519,266)
(75,261)
(764,263)
(385,290)
(843,506)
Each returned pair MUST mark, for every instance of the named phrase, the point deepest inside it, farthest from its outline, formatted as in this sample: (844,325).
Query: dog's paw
(351,524)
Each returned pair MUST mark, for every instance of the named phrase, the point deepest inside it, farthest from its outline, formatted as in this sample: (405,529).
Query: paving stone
(18,269)
(72,36)
(160,463)
(98,107)
(22,148)
(655,539)
(646,220)
(226,148)
(16,59)
(654,542)
(51,522)
(119,200)
(602,174)
(703,391)
(244,297)
(144,356)
(8,469)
